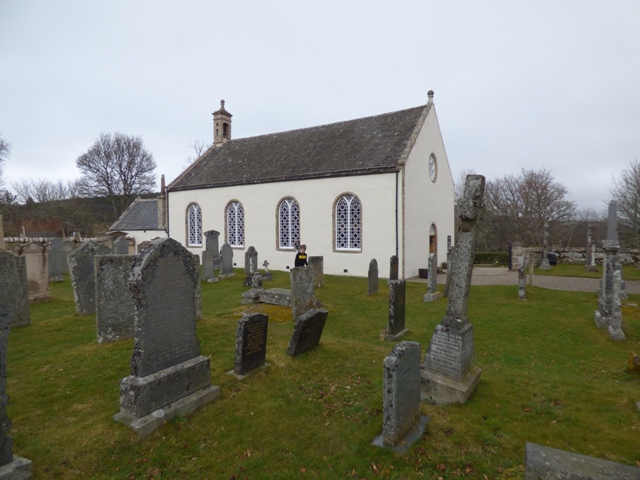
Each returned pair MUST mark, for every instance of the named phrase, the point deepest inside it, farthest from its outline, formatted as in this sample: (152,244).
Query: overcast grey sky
(518,84)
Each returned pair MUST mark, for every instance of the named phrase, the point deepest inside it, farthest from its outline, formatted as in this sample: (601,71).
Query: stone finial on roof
(221,125)
(430,94)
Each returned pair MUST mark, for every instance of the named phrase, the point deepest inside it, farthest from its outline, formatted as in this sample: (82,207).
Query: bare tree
(118,167)
(198,147)
(458,189)
(5,147)
(43,190)
(626,193)
(519,206)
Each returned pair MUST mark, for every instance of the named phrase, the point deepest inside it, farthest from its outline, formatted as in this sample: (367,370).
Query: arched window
(194,225)
(235,224)
(348,223)
(288,223)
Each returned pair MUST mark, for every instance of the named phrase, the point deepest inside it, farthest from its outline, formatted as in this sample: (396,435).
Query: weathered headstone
(317,265)
(402,423)
(196,260)
(14,290)
(266,276)
(432,282)
(612,235)
(83,275)
(544,265)
(207,266)
(450,253)
(251,343)
(57,259)
(276,296)
(522,287)
(602,316)
(121,246)
(226,259)
(393,267)
(373,277)
(11,466)
(114,302)
(37,258)
(143,245)
(449,374)
(395,329)
(250,265)
(212,245)
(168,377)
(307,331)
(615,324)
(302,291)
(542,462)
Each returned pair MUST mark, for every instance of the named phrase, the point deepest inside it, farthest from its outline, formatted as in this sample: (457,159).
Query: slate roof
(367,145)
(142,214)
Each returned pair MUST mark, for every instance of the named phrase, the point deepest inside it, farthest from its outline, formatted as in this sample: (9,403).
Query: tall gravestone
(615,324)
(307,331)
(14,290)
(212,245)
(544,265)
(395,329)
(522,287)
(196,260)
(450,255)
(83,275)
(449,374)
(208,273)
(373,277)
(250,265)
(121,246)
(602,316)
(432,282)
(393,267)
(168,377)
(317,265)
(402,423)
(226,259)
(612,235)
(251,343)
(57,259)
(11,466)
(37,258)
(302,291)
(114,302)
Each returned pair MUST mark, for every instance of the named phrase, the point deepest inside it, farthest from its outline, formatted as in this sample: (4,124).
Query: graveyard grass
(548,377)
(629,272)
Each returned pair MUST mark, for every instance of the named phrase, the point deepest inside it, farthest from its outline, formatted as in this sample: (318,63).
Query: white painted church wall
(145,235)
(427,203)
(316,199)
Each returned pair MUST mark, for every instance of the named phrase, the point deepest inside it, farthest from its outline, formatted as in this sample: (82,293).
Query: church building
(351,191)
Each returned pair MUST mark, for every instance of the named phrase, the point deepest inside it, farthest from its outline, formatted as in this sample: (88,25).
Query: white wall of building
(316,199)
(425,202)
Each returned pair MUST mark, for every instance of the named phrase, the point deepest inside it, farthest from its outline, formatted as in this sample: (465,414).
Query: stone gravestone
(544,265)
(83,275)
(267,274)
(449,374)
(307,331)
(196,260)
(57,259)
(393,267)
(615,324)
(37,258)
(114,302)
(14,290)
(11,466)
(373,277)
(612,235)
(208,273)
(550,463)
(302,291)
(168,377)
(212,245)
(432,282)
(250,265)
(226,259)
(602,316)
(450,254)
(68,246)
(402,423)
(395,330)
(317,265)
(121,246)
(251,343)
(522,288)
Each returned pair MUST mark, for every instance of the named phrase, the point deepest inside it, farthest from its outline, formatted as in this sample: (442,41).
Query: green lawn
(629,272)
(548,376)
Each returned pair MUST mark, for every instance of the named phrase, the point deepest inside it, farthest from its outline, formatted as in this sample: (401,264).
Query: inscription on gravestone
(251,343)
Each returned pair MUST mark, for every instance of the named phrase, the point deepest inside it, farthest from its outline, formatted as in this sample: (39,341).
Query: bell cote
(221,125)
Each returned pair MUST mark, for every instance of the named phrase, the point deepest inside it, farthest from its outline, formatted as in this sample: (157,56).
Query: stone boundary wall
(577,255)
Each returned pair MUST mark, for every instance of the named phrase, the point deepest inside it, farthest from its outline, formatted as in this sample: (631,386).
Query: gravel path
(502,276)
